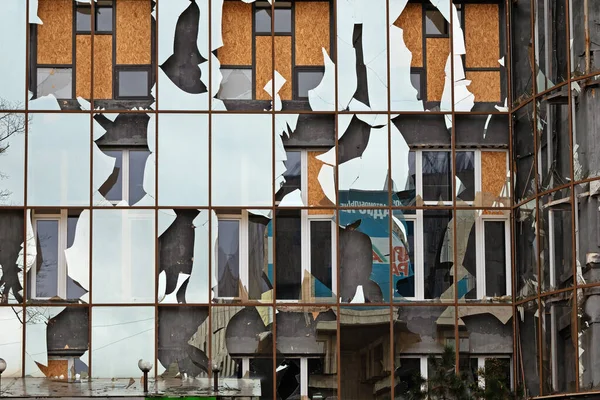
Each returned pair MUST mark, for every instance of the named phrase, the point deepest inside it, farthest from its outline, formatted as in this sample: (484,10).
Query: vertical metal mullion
(25,202)
(273,208)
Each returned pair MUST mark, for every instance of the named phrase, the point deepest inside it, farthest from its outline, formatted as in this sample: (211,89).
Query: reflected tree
(10,124)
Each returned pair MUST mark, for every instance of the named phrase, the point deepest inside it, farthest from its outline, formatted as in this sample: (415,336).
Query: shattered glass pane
(47,265)
(236,84)
(12,158)
(364,248)
(522,70)
(524,175)
(585,37)
(112,189)
(406,278)
(306,362)
(465,176)
(528,368)
(556,253)
(364,350)
(57,342)
(59,160)
(292,174)
(11,257)
(242,344)
(553,140)
(551,55)
(123,249)
(558,344)
(56,81)
(183,341)
(526,250)
(125,334)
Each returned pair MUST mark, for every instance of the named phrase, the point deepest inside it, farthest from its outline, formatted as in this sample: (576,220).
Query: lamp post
(2,369)
(145,366)
(215,371)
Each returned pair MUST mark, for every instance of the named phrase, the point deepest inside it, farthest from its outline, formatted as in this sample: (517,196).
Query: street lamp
(215,371)
(2,369)
(145,366)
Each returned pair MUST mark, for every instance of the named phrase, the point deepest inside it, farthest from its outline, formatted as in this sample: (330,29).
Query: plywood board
(312,27)
(410,22)
(83,66)
(133,31)
(55,36)
(482,35)
(103,70)
(283,64)
(485,85)
(438,50)
(237,34)
(316,196)
(493,176)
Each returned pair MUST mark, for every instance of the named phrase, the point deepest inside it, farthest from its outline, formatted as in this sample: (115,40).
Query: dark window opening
(437,176)
(435,23)
(320,256)
(495,258)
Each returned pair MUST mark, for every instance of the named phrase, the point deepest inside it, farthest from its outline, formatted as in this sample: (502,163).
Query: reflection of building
(315,197)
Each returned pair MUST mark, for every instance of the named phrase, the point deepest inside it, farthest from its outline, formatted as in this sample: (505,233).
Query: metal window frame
(242,219)
(61,218)
(480,253)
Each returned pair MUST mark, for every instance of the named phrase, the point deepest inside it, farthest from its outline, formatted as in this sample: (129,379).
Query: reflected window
(54,232)
(126,181)
(496,256)
(283,17)
(236,84)
(465,175)
(307,80)
(55,81)
(133,83)
(322,256)
(437,175)
(228,257)
(103,19)
(415,80)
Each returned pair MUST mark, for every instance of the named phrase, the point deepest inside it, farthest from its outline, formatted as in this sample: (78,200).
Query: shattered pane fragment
(236,84)
(55,81)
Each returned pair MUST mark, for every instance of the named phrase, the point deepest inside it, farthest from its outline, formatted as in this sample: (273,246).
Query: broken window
(436,176)
(584,34)
(123,256)
(11,340)
(435,23)
(521,39)
(365,362)
(553,154)
(242,260)
(126,181)
(526,245)
(13,18)
(523,145)
(236,84)
(527,333)
(11,257)
(242,345)
(57,342)
(292,175)
(558,350)
(125,334)
(54,232)
(555,238)
(288,255)
(183,336)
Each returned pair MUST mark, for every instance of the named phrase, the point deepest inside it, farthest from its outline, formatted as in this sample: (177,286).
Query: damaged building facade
(317,199)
